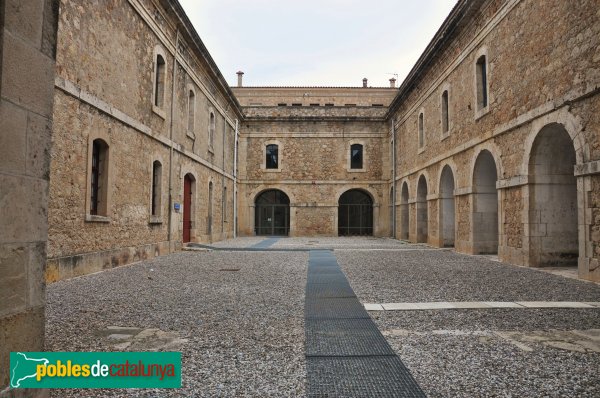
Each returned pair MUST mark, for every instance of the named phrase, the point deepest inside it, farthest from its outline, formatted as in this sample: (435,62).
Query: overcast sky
(316,42)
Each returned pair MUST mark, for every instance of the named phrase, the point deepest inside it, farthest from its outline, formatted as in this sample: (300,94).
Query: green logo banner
(95,369)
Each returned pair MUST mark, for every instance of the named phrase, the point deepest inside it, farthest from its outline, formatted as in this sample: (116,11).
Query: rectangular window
(159,81)
(224,204)
(421,132)
(356,156)
(156,187)
(282,104)
(296,104)
(99,178)
(482,93)
(272,156)
(328,104)
(445,123)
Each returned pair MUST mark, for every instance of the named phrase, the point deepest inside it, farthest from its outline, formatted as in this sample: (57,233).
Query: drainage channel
(346,354)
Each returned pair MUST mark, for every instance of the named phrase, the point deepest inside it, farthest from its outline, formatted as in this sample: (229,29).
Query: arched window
(272,156)
(356,156)
(191,111)
(421,132)
(99,178)
(445,120)
(211,129)
(159,81)
(156,187)
(482,81)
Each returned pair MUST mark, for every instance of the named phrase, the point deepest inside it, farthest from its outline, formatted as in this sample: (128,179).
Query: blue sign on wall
(177,207)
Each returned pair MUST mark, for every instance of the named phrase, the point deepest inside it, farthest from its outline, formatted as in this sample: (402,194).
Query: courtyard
(463,326)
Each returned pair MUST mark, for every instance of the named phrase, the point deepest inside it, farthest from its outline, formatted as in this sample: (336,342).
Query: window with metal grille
(99,178)
(156,187)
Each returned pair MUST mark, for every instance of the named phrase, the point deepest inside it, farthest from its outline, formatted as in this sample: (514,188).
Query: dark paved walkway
(346,355)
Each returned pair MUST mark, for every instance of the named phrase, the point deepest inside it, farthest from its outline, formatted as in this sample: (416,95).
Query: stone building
(490,145)
(314,147)
(27,37)
(144,137)
(496,134)
(466,153)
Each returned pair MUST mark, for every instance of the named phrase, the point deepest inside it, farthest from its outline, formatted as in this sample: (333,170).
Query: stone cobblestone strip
(446,305)
(346,354)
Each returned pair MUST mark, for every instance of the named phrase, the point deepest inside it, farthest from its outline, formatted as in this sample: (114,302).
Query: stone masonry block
(13,140)
(27,76)
(14,260)
(24,19)
(39,133)
(23,209)
(20,332)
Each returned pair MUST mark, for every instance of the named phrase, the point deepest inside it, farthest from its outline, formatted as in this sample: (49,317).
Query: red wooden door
(187,208)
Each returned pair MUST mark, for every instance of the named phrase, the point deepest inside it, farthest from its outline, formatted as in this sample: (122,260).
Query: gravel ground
(441,275)
(245,329)
(458,353)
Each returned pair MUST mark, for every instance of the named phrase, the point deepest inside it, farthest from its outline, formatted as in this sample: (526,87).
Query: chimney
(393,82)
(240,76)
(365,82)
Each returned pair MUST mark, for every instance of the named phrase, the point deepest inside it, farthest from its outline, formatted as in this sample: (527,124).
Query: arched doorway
(422,228)
(355,214)
(485,205)
(404,213)
(272,213)
(553,229)
(189,200)
(447,212)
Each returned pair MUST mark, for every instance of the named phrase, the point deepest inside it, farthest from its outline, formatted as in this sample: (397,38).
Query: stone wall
(314,162)
(27,56)
(315,97)
(100,93)
(542,76)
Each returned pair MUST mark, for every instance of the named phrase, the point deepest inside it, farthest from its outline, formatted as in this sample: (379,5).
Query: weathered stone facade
(543,80)
(467,182)
(27,56)
(106,88)
(314,148)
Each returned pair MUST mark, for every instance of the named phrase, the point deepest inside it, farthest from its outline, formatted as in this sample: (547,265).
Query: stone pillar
(27,58)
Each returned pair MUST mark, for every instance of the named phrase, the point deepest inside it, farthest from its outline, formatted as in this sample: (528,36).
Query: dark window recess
(377,105)
(282,104)
(421,132)
(315,105)
(349,104)
(445,123)
(482,94)
(356,156)
(328,104)
(156,180)
(272,214)
(272,156)
(98,181)
(355,213)
(296,104)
